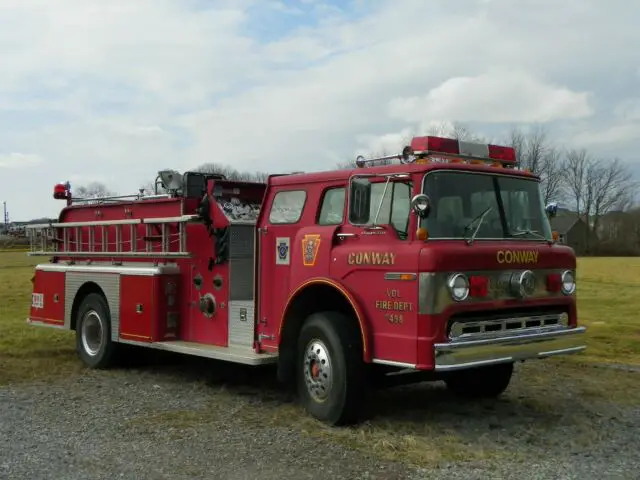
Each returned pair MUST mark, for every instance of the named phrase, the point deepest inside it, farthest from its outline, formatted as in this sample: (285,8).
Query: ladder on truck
(66,238)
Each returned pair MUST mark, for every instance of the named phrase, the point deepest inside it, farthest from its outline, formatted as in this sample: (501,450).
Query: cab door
(280,223)
(379,265)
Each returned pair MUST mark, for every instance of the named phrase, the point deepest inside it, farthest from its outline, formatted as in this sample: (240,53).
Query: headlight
(568,282)
(458,286)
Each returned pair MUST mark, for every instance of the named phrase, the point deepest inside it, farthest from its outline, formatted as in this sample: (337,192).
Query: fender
(364,328)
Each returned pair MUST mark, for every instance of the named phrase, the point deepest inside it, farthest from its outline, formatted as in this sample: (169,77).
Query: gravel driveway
(192,423)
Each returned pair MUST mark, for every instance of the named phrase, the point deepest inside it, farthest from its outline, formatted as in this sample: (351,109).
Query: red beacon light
(62,191)
(456,150)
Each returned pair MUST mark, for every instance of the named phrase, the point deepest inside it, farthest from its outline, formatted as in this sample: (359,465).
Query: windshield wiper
(479,219)
(535,233)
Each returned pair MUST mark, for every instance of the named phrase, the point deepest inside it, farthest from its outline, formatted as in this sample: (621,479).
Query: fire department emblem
(310,246)
(282,251)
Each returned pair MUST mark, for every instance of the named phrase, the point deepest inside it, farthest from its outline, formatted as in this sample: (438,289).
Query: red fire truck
(441,263)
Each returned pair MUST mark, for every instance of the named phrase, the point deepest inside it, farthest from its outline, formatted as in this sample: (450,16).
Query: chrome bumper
(476,353)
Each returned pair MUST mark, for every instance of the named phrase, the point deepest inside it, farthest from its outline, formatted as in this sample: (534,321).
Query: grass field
(412,423)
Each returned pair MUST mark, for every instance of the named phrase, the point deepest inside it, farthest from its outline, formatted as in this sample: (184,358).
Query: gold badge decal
(310,246)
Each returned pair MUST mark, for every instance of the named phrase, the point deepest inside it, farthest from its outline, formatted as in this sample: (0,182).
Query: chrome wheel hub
(92,333)
(317,370)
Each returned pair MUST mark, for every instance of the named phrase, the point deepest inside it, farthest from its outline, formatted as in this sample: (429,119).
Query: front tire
(93,332)
(480,382)
(329,368)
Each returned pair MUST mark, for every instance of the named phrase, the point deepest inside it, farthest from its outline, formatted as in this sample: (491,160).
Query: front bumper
(476,353)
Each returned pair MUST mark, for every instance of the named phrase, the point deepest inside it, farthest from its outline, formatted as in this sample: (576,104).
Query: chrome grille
(472,330)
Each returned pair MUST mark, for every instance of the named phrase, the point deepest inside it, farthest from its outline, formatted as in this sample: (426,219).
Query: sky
(113,91)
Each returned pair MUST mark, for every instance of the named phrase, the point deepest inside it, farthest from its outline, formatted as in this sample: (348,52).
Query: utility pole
(6,217)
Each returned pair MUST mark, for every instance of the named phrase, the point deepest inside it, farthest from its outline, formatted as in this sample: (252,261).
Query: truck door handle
(345,235)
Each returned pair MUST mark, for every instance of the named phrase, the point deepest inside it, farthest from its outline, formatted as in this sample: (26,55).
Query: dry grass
(28,353)
(422,424)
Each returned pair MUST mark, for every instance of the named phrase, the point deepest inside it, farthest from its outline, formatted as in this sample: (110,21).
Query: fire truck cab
(441,264)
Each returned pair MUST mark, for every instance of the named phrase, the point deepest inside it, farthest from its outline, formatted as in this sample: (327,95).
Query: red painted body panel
(48,298)
(139,312)
(454,255)
(170,303)
(411,168)
(392,337)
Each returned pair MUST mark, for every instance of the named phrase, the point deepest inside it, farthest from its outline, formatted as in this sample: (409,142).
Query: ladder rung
(47,239)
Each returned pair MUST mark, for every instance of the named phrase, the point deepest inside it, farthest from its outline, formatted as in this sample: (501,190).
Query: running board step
(237,354)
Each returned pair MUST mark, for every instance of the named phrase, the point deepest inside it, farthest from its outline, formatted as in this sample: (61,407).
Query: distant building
(572,231)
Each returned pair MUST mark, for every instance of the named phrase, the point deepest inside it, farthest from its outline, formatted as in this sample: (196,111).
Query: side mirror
(551,209)
(360,201)
(421,205)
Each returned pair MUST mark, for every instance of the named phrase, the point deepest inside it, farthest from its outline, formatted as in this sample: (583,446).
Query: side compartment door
(276,240)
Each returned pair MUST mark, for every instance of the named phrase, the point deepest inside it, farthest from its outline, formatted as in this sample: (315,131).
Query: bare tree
(577,163)
(552,175)
(231,173)
(95,190)
(532,149)
(455,130)
(598,187)
(610,188)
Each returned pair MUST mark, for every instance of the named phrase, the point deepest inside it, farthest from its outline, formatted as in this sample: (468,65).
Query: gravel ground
(159,424)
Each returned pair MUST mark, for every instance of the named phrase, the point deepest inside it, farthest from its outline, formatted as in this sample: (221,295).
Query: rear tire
(480,382)
(329,368)
(93,332)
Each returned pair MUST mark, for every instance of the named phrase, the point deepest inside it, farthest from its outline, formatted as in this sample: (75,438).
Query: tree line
(597,191)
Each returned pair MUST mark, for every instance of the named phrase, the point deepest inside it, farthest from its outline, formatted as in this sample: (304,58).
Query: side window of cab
(332,207)
(287,207)
(381,203)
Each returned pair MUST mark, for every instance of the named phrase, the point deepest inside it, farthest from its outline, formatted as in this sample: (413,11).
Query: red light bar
(462,151)
(435,144)
(503,154)
(451,146)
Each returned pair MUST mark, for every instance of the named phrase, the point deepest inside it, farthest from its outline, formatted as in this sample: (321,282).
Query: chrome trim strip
(391,363)
(122,270)
(476,353)
(38,323)
(398,275)
(235,354)
(110,254)
(133,221)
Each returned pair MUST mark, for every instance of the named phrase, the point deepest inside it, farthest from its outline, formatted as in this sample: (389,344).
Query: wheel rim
(92,333)
(317,370)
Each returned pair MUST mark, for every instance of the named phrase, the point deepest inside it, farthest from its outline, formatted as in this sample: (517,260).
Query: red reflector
(435,144)
(554,282)
(506,154)
(478,286)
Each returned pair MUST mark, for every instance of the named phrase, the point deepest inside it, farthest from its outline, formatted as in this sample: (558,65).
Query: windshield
(491,206)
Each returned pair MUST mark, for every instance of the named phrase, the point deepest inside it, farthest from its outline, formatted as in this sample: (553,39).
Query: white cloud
(495,97)
(628,109)
(18,160)
(117,90)
(616,134)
